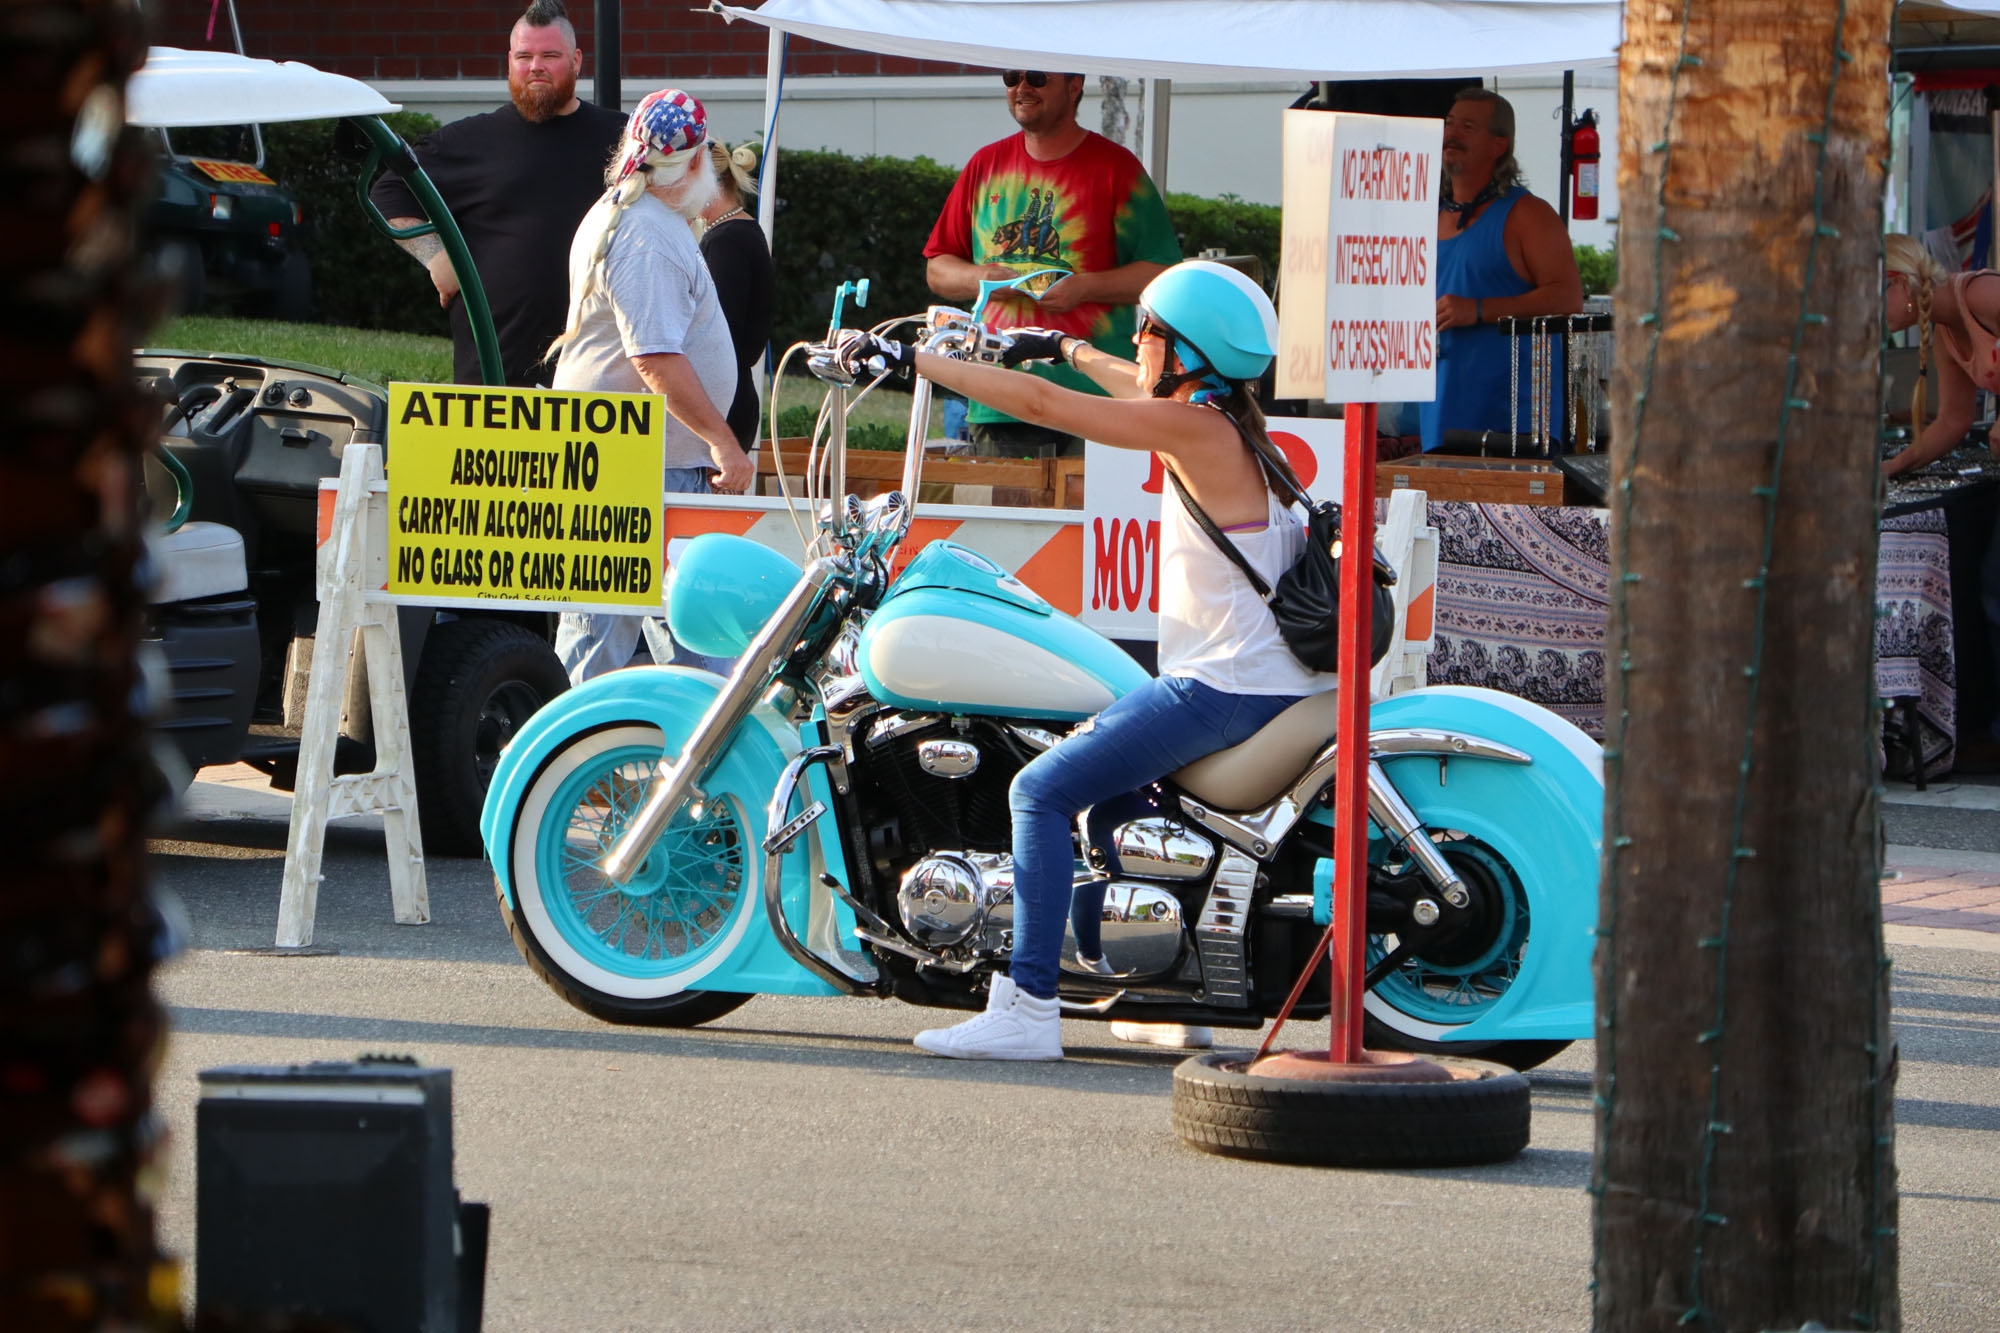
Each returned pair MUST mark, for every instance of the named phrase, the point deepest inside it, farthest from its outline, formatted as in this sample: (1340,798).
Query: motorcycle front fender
(673,699)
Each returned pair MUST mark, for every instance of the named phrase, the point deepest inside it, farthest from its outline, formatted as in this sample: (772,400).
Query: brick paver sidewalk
(1942,899)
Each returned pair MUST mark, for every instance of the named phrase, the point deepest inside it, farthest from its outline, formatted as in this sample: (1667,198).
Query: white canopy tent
(1162,40)
(1218,39)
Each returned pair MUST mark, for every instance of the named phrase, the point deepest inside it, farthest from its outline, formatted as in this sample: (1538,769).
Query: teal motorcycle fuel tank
(724,588)
(959,634)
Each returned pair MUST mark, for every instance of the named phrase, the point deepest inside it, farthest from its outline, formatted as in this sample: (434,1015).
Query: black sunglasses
(1036,78)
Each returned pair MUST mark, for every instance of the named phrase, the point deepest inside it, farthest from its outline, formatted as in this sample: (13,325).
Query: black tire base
(1220,1109)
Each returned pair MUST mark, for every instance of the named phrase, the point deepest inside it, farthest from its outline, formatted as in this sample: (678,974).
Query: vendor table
(1522,607)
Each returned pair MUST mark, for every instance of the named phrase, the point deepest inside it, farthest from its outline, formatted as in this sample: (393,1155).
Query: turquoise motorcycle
(832,819)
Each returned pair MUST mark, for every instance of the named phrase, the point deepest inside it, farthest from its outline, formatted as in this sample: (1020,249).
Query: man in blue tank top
(1501,252)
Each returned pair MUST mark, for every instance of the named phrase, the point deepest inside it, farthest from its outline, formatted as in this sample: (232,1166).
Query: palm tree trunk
(79,1031)
(1745,1172)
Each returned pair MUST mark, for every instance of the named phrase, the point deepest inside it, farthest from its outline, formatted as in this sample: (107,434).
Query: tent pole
(767,168)
(1568,143)
(1159,96)
(767,189)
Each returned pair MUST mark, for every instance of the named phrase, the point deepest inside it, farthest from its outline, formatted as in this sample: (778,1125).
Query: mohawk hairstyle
(548,14)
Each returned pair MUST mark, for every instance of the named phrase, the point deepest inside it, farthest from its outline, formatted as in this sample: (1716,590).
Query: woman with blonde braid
(1956,314)
(644,318)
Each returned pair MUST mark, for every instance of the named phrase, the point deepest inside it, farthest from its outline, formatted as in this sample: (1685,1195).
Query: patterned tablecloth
(1521,607)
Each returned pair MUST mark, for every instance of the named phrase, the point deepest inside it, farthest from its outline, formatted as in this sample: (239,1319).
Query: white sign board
(1308,194)
(1123,490)
(1360,257)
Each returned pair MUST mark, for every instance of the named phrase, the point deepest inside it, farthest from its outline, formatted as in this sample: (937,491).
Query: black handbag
(1306,600)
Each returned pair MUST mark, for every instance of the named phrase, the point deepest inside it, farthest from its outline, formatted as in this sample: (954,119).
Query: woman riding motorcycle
(1206,333)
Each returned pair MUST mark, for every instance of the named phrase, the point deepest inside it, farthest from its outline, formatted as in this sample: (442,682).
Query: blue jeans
(1159,727)
(589,643)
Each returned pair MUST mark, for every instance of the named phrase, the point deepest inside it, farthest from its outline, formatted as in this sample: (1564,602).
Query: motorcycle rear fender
(673,699)
(1555,851)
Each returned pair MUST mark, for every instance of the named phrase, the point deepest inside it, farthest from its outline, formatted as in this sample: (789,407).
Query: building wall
(465,39)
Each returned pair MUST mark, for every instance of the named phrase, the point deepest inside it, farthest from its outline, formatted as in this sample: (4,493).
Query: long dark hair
(1244,412)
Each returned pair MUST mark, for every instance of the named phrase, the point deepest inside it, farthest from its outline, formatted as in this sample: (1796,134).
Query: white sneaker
(1176,1035)
(1098,967)
(1015,1026)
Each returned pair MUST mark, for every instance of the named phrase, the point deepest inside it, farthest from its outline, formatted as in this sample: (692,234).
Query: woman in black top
(740,263)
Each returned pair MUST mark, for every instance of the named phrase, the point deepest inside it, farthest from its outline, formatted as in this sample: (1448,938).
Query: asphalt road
(797,1164)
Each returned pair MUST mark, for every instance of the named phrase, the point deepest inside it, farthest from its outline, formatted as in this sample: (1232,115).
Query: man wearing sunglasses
(1054,196)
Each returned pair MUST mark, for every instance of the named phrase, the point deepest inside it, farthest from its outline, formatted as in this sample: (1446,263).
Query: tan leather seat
(1249,775)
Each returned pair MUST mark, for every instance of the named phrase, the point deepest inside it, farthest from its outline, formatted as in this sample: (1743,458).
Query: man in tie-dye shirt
(1053,196)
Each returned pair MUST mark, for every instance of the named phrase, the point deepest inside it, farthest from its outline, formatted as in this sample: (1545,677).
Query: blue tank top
(1472,363)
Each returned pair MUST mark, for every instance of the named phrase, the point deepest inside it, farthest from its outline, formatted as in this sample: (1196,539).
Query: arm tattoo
(419,248)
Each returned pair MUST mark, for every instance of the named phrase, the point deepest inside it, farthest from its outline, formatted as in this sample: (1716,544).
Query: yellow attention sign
(525,495)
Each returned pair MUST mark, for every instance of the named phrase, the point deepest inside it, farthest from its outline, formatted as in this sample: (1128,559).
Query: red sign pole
(1350,789)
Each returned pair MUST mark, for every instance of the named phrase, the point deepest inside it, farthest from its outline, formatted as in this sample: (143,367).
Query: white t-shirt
(656,296)
(1214,628)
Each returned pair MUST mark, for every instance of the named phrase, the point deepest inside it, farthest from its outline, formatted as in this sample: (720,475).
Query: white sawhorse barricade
(1409,544)
(352,569)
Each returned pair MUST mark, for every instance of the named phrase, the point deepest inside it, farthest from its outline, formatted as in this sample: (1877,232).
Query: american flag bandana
(667,121)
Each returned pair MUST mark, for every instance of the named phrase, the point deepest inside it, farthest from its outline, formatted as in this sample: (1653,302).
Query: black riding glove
(1033,345)
(864,355)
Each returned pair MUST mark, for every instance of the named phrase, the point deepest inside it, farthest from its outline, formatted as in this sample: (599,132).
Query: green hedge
(1599,269)
(360,278)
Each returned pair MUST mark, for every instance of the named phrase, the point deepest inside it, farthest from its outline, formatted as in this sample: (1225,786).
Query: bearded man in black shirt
(518,180)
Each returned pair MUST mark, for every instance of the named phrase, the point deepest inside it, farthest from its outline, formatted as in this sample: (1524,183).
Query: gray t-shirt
(656,296)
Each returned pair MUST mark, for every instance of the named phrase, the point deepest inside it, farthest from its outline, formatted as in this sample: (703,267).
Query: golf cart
(227,229)
(244,443)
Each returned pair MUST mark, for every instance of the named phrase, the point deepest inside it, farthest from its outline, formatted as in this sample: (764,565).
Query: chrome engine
(941,835)
(946,899)
(962,903)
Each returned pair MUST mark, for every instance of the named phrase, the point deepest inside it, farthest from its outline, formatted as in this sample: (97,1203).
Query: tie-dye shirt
(1090,210)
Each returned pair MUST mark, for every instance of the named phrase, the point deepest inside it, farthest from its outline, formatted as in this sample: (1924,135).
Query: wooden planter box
(1055,483)
(1500,481)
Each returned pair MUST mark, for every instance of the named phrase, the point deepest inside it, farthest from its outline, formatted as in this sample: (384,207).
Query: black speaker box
(325,1191)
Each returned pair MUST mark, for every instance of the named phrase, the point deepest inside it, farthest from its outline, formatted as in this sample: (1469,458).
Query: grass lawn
(364,353)
(886,406)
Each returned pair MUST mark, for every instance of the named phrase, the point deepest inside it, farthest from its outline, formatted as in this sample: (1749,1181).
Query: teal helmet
(1218,322)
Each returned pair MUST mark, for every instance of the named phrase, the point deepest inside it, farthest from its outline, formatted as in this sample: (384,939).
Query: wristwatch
(1067,346)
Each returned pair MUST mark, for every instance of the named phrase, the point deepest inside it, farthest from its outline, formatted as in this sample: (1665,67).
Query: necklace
(1470,206)
(732,213)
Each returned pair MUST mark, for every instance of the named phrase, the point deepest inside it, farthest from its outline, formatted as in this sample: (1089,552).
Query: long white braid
(658,169)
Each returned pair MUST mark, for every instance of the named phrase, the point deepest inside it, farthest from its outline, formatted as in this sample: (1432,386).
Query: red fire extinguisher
(1583,158)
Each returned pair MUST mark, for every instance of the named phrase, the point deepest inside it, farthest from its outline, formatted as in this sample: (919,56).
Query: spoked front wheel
(627,953)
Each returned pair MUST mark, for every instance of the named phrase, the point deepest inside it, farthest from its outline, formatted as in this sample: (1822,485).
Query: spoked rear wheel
(627,953)
(1457,977)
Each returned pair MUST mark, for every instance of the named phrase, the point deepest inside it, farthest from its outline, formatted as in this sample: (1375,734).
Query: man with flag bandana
(1053,196)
